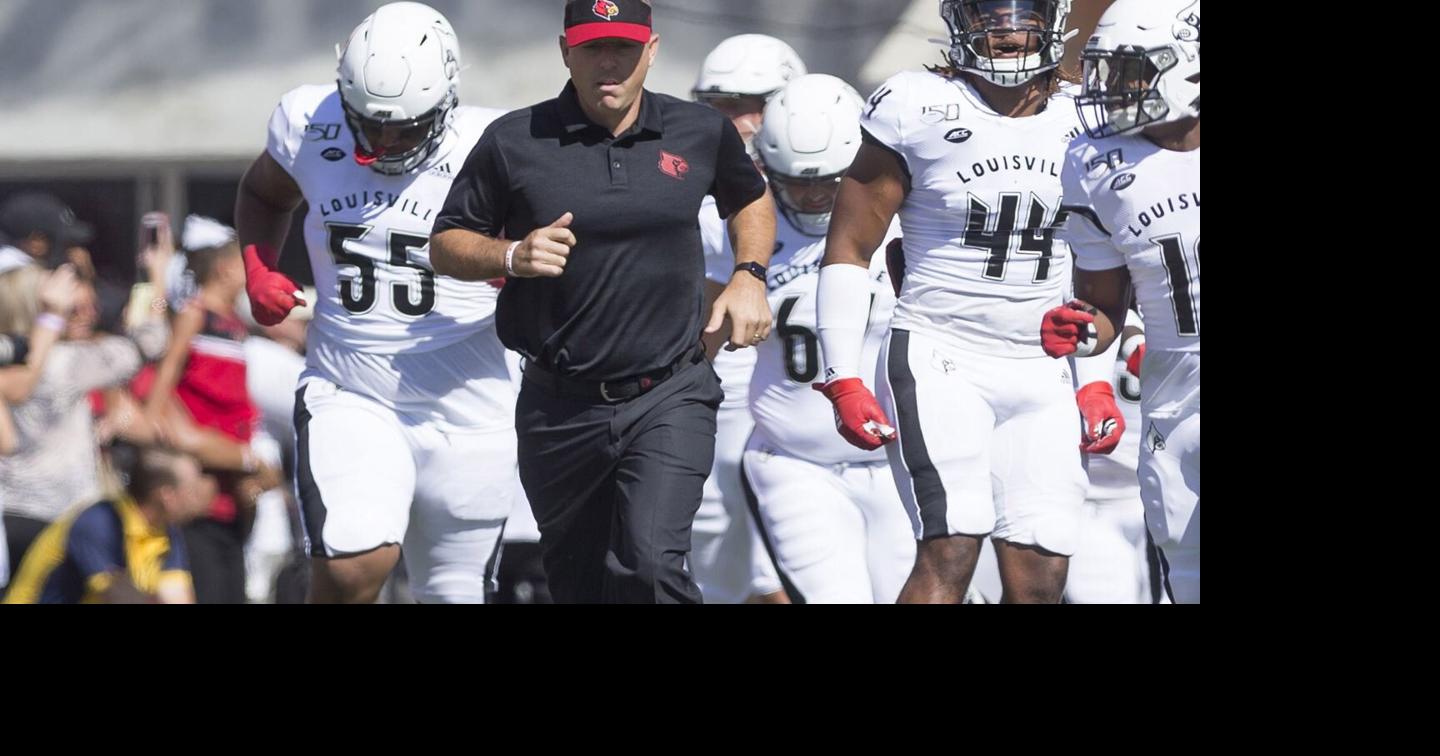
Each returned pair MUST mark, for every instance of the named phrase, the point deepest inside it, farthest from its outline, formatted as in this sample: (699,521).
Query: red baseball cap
(589,20)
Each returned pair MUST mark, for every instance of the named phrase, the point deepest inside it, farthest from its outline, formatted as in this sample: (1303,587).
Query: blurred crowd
(144,425)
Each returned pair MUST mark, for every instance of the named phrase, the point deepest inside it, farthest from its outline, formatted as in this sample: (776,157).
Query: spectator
(122,550)
(56,466)
(8,443)
(204,368)
(18,276)
(43,227)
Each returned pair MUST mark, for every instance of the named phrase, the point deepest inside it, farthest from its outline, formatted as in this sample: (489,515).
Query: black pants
(615,487)
(20,532)
(217,561)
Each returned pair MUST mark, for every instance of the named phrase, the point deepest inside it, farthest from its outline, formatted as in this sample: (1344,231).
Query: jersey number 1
(1180,271)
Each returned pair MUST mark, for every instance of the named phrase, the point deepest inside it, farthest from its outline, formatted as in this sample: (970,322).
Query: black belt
(619,390)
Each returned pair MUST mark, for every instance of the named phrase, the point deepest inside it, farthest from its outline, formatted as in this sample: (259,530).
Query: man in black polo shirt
(601,187)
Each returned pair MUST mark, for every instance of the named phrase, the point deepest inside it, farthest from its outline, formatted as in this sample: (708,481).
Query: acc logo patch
(956,136)
(333,154)
(1122,181)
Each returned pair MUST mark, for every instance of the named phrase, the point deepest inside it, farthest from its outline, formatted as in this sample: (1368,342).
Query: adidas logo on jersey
(441,170)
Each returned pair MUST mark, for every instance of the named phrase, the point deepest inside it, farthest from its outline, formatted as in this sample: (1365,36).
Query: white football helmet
(1028,36)
(399,75)
(809,139)
(1142,67)
(747,64)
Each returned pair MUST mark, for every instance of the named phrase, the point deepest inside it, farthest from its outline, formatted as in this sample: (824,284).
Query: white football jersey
(982,264)
(735,368)
(790,413)
(1131,203)
(368,234)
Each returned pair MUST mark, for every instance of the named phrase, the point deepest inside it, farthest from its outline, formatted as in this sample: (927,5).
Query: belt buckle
(605,394)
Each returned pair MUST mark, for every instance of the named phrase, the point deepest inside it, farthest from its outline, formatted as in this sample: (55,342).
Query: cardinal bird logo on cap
(673,165)
(606,9)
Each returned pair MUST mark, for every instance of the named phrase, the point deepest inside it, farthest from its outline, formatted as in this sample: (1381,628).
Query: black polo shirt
(631,296)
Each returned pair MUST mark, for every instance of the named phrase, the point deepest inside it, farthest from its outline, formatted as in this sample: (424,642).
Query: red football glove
(858,416)
(1069,329)
(1136,359)
(1103,422)
(272,294)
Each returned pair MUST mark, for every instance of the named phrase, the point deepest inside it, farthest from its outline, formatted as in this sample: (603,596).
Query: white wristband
(1089,337)
(1128,346)
(50,321)
(510,259)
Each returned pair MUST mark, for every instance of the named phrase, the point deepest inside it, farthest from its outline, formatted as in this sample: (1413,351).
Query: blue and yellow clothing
(77,558)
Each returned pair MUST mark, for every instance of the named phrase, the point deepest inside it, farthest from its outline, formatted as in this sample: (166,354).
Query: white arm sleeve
(842,310)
